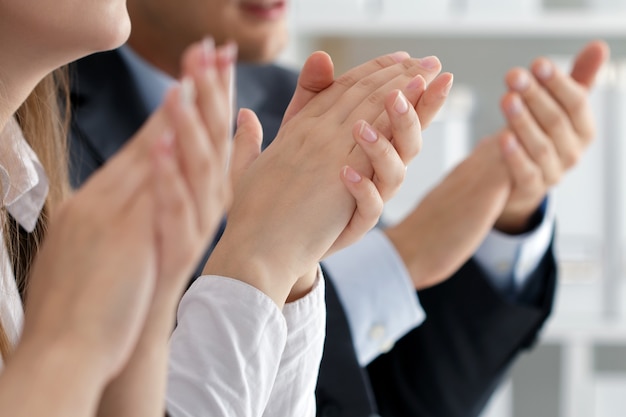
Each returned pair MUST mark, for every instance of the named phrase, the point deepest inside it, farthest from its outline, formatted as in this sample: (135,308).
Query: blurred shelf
(546,25)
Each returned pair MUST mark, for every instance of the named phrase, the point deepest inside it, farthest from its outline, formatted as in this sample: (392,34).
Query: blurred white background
(578,368)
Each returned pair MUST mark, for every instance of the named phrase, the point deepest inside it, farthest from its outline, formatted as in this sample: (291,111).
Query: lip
(265,10)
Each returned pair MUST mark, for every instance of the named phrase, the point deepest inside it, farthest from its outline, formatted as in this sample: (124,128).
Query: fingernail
(208,50)
(430,62)
(401,105)
(521,82)
(351,175)
(228,53)
(544,70)
(515,106)
(367,133)
(448,87)
(400,56)
(417,83)
(239,117)
(187,92)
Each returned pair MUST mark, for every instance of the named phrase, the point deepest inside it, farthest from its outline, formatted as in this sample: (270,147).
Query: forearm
(452,220)
(139,390)
(65,380)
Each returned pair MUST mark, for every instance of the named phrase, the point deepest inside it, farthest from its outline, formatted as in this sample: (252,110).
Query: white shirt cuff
(377,294)
(225,350)
(294,388)
(509,260)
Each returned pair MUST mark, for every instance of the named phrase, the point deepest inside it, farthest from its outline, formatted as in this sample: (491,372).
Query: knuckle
(541,151)
(347,80)
(570,157)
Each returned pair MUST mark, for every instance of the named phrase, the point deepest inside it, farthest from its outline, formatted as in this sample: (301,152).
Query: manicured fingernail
(448,87)
(400,56)
(351,175)
(239,117)
(416,84)
(187,92)
(521,82)
(515,106)
(367,133)
(544,70)
(429,62)
(228,53)
(400,104)
(208,50)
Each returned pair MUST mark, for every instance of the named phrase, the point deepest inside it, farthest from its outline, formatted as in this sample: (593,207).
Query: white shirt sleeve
(509,260)
(225,351)
(377,294)
(294,388)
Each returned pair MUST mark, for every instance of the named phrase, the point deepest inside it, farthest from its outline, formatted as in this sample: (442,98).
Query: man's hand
(549,117)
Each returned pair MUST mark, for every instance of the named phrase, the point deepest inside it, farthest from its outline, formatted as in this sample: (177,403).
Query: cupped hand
(289,205)
(550,124)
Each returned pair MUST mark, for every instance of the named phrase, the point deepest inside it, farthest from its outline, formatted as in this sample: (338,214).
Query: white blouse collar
(22,177)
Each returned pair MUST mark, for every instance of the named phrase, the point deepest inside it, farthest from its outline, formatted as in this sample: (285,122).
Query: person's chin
(117,35)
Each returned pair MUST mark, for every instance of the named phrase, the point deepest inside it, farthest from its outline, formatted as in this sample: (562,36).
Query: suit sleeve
(451,364)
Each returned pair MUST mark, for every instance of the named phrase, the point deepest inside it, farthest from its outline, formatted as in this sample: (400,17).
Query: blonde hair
(45,124)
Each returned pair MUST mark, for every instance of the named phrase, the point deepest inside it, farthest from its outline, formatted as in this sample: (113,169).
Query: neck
(18,78)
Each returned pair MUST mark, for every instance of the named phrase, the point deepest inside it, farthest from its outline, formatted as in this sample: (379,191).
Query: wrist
(64,370)
(519,220)
(303,286)
(247,265)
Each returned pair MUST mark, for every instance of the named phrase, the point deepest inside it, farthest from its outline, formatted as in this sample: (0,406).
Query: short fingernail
(515,106)
(401,105)
(429,62)
(351,175)
(187,92)
(448,87)
(228,53)
(208,50)
(544,70)
(521,82)
(416,84)
(400,56)
(368,133)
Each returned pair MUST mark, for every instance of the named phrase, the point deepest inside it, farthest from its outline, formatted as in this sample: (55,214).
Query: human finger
(358,87)
(538,145)
(524,172)
(316,75)
(389,169)
(194,152)
(366,98)
(369,207)
(246,143)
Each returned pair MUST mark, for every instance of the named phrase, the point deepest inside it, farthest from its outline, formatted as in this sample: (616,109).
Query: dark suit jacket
(447,367)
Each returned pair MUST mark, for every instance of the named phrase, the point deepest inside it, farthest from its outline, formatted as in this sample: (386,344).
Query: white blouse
(235,354)
(24,187)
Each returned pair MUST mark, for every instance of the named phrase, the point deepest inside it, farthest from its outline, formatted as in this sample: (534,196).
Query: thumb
(589,61)
(246,143)
(317,74)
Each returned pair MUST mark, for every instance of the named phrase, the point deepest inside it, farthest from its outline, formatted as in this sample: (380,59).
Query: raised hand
(550,119)
(191,189)
(289,206)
